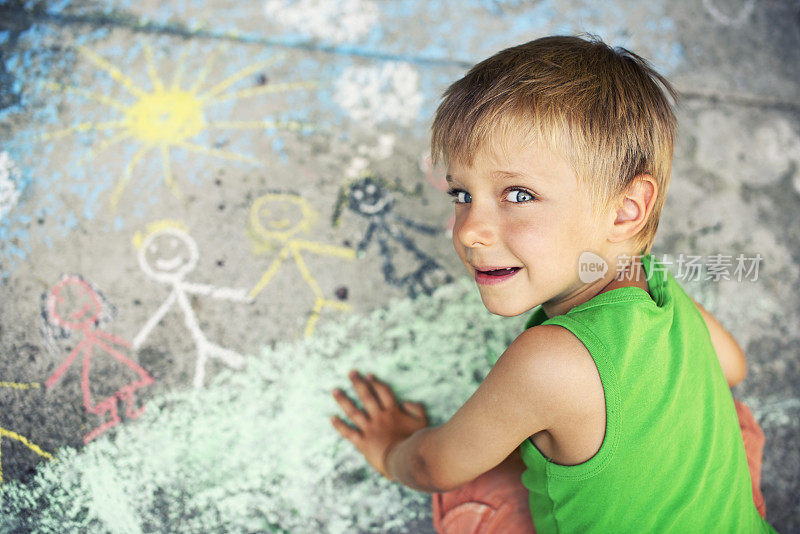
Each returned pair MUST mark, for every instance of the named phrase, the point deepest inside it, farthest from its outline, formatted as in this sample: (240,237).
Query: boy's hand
(382,423)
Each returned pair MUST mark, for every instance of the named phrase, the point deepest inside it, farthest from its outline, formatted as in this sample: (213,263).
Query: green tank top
(672,459)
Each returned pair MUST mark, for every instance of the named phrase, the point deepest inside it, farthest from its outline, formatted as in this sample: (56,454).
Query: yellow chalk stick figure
(17,437)
(275,220)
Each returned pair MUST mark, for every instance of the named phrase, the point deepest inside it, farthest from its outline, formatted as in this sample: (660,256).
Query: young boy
(616,397)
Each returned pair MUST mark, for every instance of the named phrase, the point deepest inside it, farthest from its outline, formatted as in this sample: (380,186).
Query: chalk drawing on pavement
(170,115)
(365,155)
(371,197)
(166,254)
(9,192)
(4,433)
(338,22)
(390,92)
(73,305)
(728,20)
(20,385)
(275,221)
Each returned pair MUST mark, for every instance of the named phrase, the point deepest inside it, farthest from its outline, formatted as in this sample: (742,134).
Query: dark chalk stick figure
(73,305)
(371,197)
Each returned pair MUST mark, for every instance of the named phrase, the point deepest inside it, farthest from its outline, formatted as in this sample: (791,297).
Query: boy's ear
(634,208)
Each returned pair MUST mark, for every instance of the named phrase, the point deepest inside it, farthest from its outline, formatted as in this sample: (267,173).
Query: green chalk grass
(254,451)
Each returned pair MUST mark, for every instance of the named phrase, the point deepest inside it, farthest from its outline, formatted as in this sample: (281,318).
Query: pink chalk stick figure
(73,305)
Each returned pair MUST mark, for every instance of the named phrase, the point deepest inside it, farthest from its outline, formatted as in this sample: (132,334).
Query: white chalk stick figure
(167,254)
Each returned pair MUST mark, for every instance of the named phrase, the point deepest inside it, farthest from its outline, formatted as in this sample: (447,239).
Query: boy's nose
(475,230)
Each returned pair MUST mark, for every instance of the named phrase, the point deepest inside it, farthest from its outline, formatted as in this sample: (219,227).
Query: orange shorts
(496,502)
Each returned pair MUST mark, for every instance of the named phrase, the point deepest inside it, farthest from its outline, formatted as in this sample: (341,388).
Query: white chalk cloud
(9,176)
(339,22)
(372,95)
(366,154)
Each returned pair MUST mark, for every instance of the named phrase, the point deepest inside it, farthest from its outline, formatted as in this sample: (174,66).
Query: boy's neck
(633,275)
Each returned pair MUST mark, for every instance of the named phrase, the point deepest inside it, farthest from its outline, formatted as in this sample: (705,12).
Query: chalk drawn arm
(222,293)
(64,366)
(108,338)
(325,250)
(22,439)
(424,228)
(153,321)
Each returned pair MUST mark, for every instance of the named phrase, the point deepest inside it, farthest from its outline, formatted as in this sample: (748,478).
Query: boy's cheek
(459,247)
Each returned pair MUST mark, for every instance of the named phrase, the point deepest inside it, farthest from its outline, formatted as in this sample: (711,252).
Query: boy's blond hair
(604,110)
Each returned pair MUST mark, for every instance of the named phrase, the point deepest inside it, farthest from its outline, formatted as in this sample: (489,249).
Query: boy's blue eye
(460,197)
(518,195)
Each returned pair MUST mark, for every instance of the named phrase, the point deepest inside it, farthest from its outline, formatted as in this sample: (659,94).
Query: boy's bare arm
(730,354)
(539,379)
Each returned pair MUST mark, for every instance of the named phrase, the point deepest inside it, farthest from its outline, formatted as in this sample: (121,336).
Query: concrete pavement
(186,185)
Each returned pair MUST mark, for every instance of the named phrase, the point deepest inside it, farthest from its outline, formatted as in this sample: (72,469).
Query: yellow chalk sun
(168,117)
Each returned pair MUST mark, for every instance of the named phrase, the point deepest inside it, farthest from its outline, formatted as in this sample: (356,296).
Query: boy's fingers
(365,392)
(350,409)
(416,409)
(383,391)
(349,433)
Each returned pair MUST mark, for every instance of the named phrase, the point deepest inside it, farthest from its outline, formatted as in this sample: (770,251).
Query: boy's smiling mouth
(490,276)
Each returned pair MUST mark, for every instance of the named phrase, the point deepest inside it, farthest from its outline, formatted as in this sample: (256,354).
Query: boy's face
(522,222)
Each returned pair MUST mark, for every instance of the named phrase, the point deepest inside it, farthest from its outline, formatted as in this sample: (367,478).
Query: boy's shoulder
(550,347)
(568,391)
(559,366)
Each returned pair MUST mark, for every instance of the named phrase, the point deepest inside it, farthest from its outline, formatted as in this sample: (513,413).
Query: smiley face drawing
(281,216)
(168,254)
